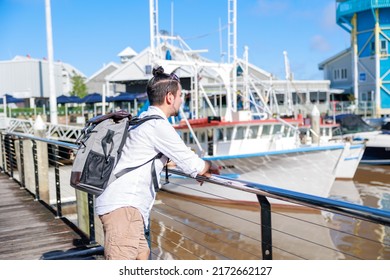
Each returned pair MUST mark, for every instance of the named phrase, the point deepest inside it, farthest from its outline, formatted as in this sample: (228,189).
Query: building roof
(127,52)
(337,56)
(101,70)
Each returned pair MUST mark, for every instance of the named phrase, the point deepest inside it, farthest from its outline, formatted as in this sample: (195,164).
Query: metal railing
(15,149)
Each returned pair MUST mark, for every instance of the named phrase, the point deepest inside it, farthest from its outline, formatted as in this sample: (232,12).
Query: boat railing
(42,166)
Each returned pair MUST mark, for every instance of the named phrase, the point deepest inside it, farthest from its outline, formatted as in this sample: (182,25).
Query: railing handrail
(335,206)
(367,213)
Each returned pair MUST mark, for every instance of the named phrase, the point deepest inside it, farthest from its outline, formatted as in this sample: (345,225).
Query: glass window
(253,131)
(220,134)
(229,133)
(185,137)
(240,133)
(203,137)
(277,128)
(266,130)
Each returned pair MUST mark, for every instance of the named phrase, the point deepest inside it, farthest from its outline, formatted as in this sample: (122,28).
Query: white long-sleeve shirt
(144,142)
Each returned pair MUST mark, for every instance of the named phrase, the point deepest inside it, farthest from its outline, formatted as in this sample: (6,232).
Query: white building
(26,77)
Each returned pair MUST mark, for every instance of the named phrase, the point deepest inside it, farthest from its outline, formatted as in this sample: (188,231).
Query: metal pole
(266,229)
(50,57)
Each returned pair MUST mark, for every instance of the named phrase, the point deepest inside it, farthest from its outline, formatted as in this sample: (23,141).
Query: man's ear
(170,98)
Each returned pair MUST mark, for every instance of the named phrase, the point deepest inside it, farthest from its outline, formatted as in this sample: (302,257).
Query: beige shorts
(124,236)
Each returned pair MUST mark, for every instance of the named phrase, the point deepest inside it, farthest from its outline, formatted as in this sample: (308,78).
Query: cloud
(319,43)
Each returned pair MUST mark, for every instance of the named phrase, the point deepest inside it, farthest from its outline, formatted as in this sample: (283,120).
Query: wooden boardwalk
(29,230)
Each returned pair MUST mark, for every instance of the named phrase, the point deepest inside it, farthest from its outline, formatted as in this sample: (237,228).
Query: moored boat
(377,141)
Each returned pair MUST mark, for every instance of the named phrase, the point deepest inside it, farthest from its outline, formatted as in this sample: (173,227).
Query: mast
(232,50)
(288,82)
(153,17)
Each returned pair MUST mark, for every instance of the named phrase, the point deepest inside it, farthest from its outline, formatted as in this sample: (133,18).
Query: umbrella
(63,99)
(123,96)
(92,98)
(10,99)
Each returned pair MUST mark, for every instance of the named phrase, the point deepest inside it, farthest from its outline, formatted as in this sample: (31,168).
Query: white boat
(377,141)
(266,152)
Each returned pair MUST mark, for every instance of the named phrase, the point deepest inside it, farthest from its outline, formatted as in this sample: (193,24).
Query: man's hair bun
(158,70)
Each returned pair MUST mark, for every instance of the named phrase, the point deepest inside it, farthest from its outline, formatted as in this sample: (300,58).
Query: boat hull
(309,170)
(349,160)
(377,147)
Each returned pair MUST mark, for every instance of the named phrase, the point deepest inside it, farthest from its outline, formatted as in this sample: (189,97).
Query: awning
(10,99)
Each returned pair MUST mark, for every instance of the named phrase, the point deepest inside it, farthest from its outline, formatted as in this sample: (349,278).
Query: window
(383,47)
(372,48)
(229,133)
(240,133)
(220,134)
(266,130)
(340,74)
(253,130)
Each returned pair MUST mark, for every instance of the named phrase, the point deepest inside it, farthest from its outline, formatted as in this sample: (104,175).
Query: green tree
(79,87)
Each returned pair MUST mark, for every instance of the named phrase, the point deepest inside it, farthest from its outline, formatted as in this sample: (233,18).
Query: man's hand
(210,168)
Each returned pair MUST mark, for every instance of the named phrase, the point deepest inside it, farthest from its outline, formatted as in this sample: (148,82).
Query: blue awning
(127,96)
(10,99)
(92,98)
(63,99)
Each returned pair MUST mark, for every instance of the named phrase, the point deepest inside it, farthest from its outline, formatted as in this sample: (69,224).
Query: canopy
(10,99)
(124,96)
(63,99)
(92,98)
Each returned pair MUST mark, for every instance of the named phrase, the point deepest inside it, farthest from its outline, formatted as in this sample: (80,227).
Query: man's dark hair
(160,85)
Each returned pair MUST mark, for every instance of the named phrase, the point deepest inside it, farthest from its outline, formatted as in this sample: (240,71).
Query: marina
(290,187)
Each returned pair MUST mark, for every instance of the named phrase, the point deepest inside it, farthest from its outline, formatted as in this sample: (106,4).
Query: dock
(29,230)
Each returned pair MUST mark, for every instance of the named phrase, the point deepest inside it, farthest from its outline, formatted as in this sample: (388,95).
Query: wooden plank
(28,230)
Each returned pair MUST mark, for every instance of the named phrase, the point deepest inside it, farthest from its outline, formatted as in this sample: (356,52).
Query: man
(124,207)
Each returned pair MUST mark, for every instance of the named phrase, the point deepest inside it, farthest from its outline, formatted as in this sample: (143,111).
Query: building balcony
(349,7)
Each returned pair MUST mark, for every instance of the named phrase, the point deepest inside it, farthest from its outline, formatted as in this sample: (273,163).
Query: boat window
(191,138)
(229,133)
(285,130)
(185,137)
(253,131)
(220,134)
(278,128)
(203,137)
(240,133)
(266,130)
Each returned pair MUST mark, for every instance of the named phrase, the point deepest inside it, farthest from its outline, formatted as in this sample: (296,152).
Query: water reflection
(187,228)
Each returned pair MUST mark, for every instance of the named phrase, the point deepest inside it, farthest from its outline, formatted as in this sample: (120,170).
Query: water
(370,187)
(233,231)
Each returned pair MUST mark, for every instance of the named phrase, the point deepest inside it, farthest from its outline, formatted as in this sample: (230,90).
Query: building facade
(28,78)
(364,69)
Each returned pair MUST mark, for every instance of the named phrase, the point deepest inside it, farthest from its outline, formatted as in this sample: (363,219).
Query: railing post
(91,217)
(11,156)
(57,180)
(266,229)
(42,161)
(21,172)
(2,151)
(35,159)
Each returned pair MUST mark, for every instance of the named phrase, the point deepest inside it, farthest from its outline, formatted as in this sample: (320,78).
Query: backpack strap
(133,123)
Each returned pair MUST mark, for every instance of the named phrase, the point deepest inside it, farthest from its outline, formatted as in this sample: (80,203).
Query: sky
(89,34)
